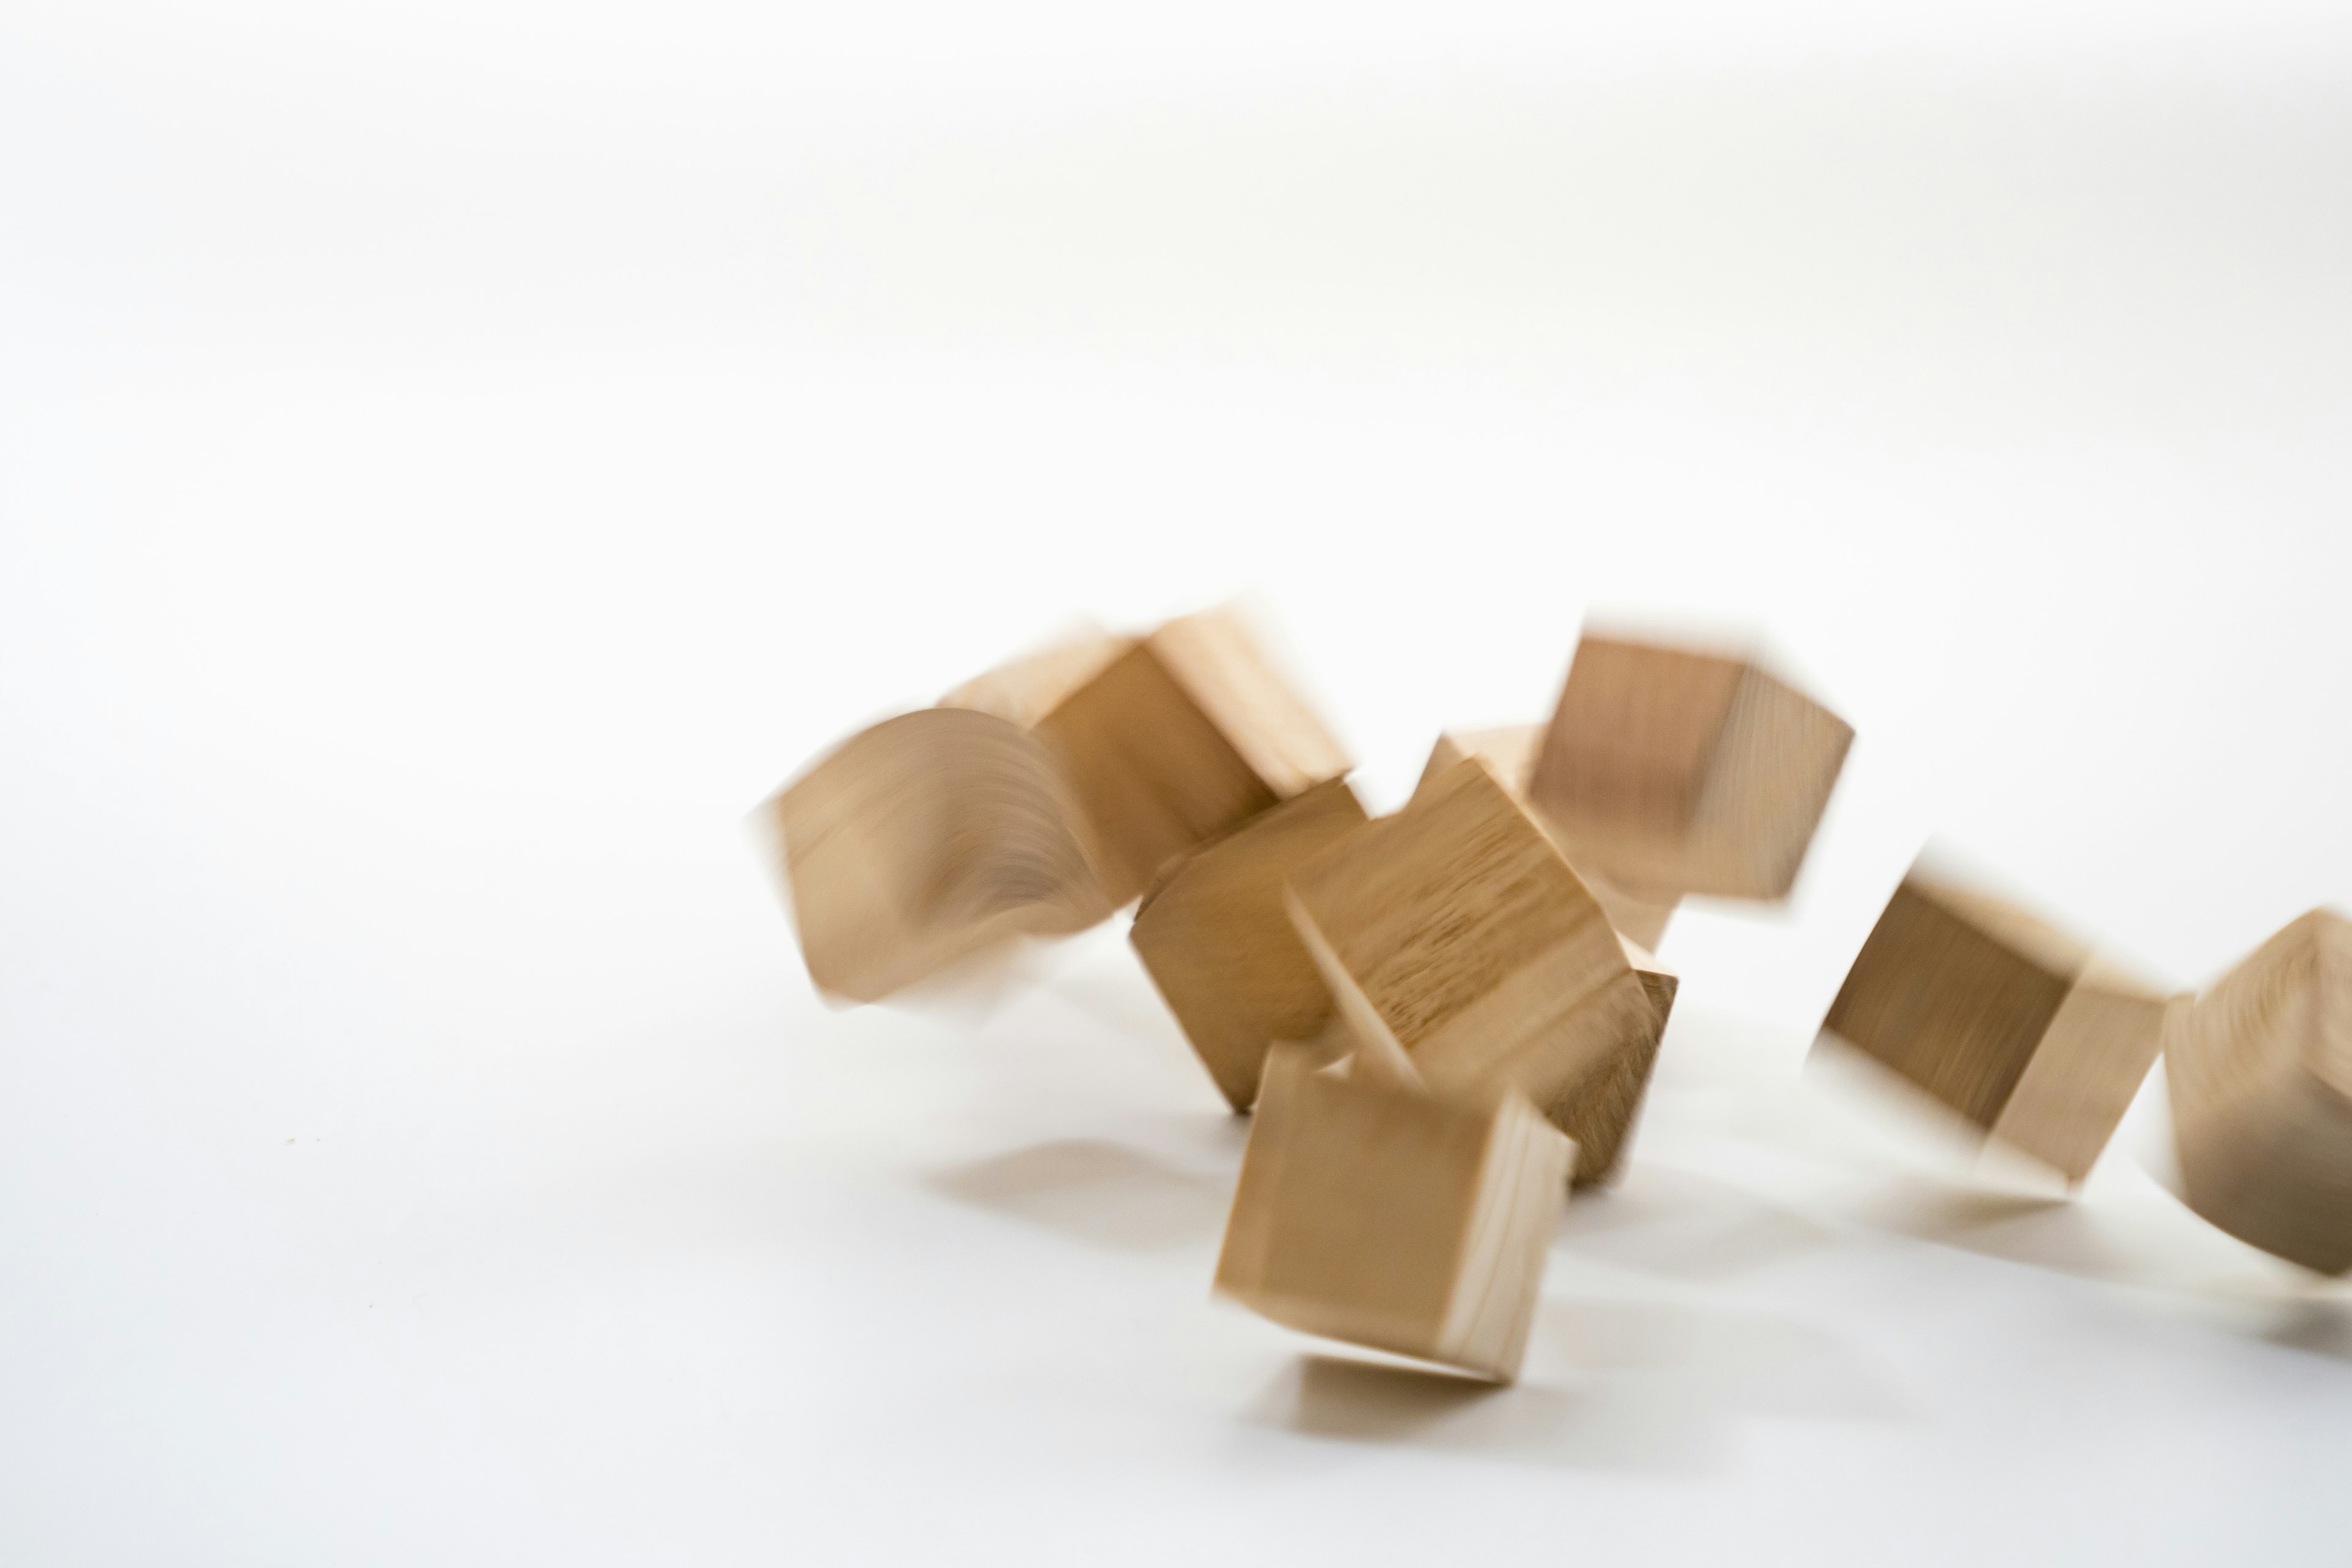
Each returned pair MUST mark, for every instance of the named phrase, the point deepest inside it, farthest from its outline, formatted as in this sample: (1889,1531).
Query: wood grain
(2260,1071)
(2007,1021)
(1393,1218)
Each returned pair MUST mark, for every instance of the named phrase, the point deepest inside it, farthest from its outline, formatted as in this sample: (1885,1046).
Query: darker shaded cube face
(1944,1003)
(1635,729)
(1215,938)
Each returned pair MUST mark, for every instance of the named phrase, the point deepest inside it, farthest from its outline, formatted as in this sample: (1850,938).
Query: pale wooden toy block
(1407,1222)
(2260,1070)
(1166,741)
(1668,771)
(924,840)
(1511,750)
(2012,1023)
(1464,952)
(1216,939)
(1598,1110)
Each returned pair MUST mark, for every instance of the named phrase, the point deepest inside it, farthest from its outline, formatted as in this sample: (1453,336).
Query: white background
(456,458)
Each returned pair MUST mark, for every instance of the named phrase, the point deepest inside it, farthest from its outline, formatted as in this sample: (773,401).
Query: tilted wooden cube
(1668,771)
(1464,952)
(2012,1023)
(926,839)
(1389,1217)
(1215,937)
(1511,752)
(1166,741)
(2260,1070)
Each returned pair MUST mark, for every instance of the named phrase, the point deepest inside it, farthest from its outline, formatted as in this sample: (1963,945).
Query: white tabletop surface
(455,460)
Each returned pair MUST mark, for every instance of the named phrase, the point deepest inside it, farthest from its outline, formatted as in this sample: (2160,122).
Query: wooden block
(1216,939)
(1669,771)
(2260,1070)
(1387,1217)
(1463,952)
(926,840)
(1166,741)
(2012,1023)
(1511,752)
(1598,1110)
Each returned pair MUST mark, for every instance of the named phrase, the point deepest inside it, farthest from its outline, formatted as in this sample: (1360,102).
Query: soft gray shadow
(1682,1224)
(2042,1232)
(1101,1193)
(1347,1401)
(1717,1361)
(2317,1325)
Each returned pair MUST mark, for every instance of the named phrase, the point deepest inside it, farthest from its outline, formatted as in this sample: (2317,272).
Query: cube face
(1151,773)
(1455,936)
(2275,1171)
(1393,1219)
(1635,734)
(2260,1111)
(1216,938)
(924,839)
(1166,741)
(1510,753)
(1366,1195)
(1946,1004)
(1668,771)
(1598,1110)
(1775,764)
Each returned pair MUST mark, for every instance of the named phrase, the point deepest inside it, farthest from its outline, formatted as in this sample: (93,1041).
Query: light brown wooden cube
(1216,939)
(1392,1218)
(1510,751)
(1464,952)
(2260,1069)
(1165,741)
(2012,1023)
(926,840)
(1668,771)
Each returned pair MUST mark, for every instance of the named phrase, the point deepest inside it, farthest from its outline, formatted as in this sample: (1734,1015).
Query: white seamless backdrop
(456,460)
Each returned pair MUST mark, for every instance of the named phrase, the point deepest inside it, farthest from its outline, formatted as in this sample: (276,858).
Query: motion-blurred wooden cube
(1166,741)
(1389,1217)
(2012,1023)
(1216,939)
(1511,752)
(1464,952)
(926,839)
(1668,771)
(2260,1069)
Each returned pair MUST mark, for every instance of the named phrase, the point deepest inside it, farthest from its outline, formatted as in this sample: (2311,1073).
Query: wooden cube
(2012,1023)
(1598,1110)
(1668,771)
(2260,1069)
(1166,741)
(1387,1217)
(926,839)
(1510,751)
(1216,939)
(1463,952)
